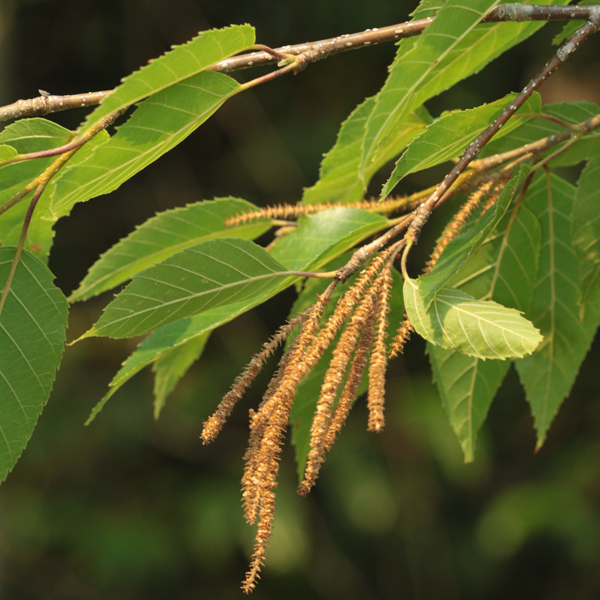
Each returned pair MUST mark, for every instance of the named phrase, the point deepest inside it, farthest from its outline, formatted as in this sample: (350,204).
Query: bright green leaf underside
(157,126)
(200,53)
(483,329)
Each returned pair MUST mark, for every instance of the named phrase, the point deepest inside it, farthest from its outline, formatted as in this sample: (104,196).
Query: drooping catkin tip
(210,429)
(377,425)
(303,488)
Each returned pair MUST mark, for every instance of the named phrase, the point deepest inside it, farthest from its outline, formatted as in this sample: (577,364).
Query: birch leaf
(458,321)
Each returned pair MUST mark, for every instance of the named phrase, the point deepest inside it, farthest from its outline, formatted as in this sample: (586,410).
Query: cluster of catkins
(360,316)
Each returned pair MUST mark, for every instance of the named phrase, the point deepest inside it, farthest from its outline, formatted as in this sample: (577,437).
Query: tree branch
(49,103)
(538,147)
(313,51)
(477,145)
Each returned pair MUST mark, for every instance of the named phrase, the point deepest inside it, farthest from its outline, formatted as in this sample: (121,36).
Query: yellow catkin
(293,211)
(309,355)
(214,424)
(263,535)
(457,222)
(378,364)
(288,366)
(269,422)
(352,384)
(267,475)
(264,478)
(331,382)
(401,337)
(259,420)
(495,193)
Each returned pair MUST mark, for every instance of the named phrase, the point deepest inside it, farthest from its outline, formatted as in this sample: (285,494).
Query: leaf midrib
(200,294)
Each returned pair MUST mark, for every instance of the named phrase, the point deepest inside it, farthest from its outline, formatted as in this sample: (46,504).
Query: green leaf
(158,125)
(213,273)
(450,49)
(585,229)
(448,136)
(310,246)
(32,335)
(467,386)
(172,366)
(338,176)
(34,135)
(7,152)
(463,246)
(499,272)
(339,180)
(307,393)
(457,321)
(427,8)
(550,372)
(28,135)
(410,82)
(210,274)
(177,65)
(325,235)
(163,236)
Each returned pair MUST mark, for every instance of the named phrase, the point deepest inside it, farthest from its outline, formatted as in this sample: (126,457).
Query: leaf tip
(540,443)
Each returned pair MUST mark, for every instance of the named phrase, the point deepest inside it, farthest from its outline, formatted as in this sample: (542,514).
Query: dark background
(130,508)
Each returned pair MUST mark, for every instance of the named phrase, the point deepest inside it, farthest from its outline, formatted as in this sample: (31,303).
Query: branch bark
(313,51)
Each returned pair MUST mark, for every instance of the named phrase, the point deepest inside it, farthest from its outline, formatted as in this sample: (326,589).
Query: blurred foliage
(133,508)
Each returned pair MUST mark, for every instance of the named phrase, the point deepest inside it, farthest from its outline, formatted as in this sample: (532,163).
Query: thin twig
(45,153)
(51,171)
(537,147)
(320,49)
(26,222)
(546,117)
